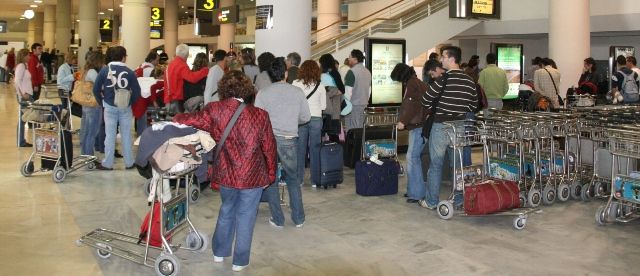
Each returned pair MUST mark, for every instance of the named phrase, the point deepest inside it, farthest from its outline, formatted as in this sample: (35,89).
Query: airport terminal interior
(86,221)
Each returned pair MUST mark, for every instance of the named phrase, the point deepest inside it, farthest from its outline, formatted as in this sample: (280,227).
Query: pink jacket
(22,80)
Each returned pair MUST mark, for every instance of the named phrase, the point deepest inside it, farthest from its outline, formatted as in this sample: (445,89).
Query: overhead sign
(3,26)
(105,24)
(204,8)
(482,6)
(226,15)
(156,23)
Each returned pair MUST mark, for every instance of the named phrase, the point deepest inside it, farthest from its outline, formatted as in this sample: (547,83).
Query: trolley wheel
(104,250)
(613,212)
(27,169)
(585,192)
(576,190)
(59,173)
(600,220)
(599,189)
(534,198)
(194,193)
(523,198)
(91,166)
(197,241)
(167,265)
(445,209)
(548,195)
(564,192)
(520,222)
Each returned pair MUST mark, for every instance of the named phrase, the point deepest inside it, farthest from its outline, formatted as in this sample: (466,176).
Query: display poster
(3,26)
(510,60)
(384,58)
(482,6)
(226,15)
(625,51)
(156,23)
(264,17)
(193,51)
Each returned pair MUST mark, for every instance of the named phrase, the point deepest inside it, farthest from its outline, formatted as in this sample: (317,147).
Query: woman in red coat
(246,164)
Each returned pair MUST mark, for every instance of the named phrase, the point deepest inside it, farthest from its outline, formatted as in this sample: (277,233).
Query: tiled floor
(344,234)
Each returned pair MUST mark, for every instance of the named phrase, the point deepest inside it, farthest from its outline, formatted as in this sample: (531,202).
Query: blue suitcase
(375,180)
(331,165)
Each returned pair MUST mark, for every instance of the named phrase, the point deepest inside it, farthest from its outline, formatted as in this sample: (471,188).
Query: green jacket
(493,81)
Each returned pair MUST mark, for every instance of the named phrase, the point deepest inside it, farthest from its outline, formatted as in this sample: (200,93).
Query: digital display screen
(105,24)
(382,57)
(510,60)
(204,9)
(156,23)
(226,15)
(482,6)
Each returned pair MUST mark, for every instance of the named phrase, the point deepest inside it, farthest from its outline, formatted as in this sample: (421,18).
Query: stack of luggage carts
(167,153)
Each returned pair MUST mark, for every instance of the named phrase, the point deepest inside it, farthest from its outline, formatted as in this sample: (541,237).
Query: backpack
(140,71)
(629,85)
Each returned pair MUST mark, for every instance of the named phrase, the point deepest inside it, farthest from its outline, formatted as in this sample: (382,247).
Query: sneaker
(130,167)
(423,203)
(217,259)
(117,155)
(103,168)
(313,186)
(26,145)
(299,225)
(273,223)
(237,268)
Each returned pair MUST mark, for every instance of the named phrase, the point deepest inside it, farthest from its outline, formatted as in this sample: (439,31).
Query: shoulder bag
(560,100)
(227,130)
(82,93)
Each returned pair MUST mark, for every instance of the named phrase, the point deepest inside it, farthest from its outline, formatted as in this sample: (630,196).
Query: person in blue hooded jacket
(116,76)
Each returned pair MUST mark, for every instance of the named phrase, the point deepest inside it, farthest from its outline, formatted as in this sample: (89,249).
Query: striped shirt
(459,96)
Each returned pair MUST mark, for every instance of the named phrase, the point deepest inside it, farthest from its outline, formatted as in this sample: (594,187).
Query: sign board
(474,9)
(227,15)
(482,6)
(3,26)
(105,24)
(157,23)
(204,9)
(381,57)
(264,17)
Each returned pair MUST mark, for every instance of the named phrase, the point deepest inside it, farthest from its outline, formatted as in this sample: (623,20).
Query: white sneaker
(237,268)
(313,186)
(299,225)
(217,259)
(274,224)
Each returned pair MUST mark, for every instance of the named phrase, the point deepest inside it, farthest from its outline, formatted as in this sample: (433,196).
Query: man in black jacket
(457,96)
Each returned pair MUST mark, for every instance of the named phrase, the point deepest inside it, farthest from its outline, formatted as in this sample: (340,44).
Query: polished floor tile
(344,234)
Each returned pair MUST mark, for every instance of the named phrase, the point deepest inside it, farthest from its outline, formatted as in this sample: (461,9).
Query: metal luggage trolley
(174,217)
(623,201)
(380,117)
(462,134)
(48,143)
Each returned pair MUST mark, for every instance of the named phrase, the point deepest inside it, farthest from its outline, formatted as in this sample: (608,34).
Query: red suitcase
(491,196)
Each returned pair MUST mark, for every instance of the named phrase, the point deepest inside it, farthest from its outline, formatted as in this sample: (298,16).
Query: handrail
(328,26)
(399,22)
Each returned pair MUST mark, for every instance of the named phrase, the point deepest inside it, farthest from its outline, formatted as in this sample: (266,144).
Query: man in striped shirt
(457,97)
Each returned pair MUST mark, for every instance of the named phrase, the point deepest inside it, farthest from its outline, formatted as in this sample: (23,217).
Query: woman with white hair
(177,73)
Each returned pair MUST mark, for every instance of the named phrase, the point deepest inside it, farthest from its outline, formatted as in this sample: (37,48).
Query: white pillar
(31,32)
(170,27)
(569,39)
(49,26)
(88,25)
(115,31)
(291,29)
(328,15)
(227,31)
(63,25)
(38,21)
(135,30)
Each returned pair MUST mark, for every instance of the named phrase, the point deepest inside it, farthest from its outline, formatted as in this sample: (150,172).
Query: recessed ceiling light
(77,20)
(100,13)
(121,5)
(37,1)
(33,6)
(110,9)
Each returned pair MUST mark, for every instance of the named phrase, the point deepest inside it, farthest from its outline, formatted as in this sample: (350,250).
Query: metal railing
(421,9)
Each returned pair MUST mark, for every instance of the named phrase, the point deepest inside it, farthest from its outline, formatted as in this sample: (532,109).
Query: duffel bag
(491,196)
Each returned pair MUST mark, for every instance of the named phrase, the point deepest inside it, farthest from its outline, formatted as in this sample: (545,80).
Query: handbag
(428,123)
(83,93)
(560,100)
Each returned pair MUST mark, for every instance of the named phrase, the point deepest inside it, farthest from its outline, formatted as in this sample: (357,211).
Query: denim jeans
(89,127)
(416,188)
(288,158)
(100,138)
(141,124)
(309,135)
(112,117)
(438,144)
(236,219)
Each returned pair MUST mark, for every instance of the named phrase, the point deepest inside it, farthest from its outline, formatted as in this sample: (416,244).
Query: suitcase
(491,196)
(375,180)
(353,142)
(331,165)
(67,147)
(384,148)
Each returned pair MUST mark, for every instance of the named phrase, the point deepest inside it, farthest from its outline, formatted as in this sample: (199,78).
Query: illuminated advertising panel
(381,57)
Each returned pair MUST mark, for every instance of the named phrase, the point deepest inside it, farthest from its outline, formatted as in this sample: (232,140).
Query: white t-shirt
(318,101)
(215,75)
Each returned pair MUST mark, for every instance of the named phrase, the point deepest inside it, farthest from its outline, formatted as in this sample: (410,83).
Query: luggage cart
(465,133)
(622,203)
(49,143)
(174,217)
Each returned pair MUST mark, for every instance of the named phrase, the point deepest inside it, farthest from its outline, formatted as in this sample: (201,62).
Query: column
(292,20)
(170,27)
(38,21)
(49,26)
(88,28)
(31,32)
(569,39)
(63,26)
(115,32)
(135,30)
(328,17)
(227,31)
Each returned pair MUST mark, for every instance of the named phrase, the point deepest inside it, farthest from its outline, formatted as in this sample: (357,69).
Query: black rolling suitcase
(353,142)
(331,165)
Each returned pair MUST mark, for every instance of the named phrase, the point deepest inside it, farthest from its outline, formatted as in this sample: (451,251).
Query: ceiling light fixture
(29,14)
(33,6)
(37,1)
(100,13)
(110,9)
